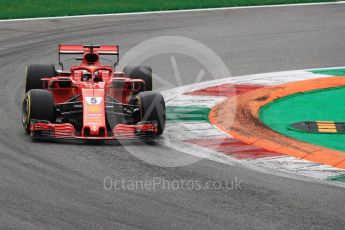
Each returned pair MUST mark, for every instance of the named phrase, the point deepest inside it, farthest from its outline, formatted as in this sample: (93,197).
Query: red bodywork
(92,97)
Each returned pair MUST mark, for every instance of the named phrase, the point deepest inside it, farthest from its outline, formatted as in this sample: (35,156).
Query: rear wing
(81,49)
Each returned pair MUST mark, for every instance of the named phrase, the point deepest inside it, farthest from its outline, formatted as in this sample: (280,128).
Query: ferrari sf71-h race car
(91,101)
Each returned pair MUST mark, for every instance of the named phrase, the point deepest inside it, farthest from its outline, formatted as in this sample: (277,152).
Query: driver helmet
(98,76)
(86,76)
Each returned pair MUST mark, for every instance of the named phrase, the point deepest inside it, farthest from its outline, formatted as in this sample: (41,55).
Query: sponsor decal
(93,109)
(94,115)
(93,100)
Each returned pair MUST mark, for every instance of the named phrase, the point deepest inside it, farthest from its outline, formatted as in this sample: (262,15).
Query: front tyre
(38,104)
(152,109)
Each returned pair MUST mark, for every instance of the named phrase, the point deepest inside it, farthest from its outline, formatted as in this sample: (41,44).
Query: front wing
(47,130)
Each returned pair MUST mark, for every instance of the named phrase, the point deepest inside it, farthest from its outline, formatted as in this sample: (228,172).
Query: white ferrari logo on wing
(93,100)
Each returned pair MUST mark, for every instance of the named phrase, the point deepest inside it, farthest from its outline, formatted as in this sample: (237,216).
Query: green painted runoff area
(187,114)
(340,178)
(319,105)
(43,8)
(332,72)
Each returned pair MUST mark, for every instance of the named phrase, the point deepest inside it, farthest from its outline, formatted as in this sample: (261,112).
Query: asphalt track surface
(60,186)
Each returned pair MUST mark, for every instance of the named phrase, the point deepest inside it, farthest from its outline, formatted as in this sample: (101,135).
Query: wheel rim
(138,104)
(26,112)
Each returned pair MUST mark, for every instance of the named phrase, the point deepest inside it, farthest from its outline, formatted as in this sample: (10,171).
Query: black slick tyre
(38,104)
(34,74)
(140,72)
(152,109)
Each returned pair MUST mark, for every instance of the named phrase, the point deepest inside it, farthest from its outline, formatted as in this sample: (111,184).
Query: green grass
(42,8)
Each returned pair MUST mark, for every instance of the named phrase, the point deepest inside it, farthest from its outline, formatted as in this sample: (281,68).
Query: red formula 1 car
(91,100)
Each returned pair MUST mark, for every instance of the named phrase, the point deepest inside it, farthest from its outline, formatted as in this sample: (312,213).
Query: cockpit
(87,74)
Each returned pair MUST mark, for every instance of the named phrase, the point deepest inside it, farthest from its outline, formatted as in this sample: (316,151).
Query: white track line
(174,11)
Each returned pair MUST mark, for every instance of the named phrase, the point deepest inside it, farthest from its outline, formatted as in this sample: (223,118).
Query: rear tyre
(152,109)
(140,72)
(35,73)
(38,104)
